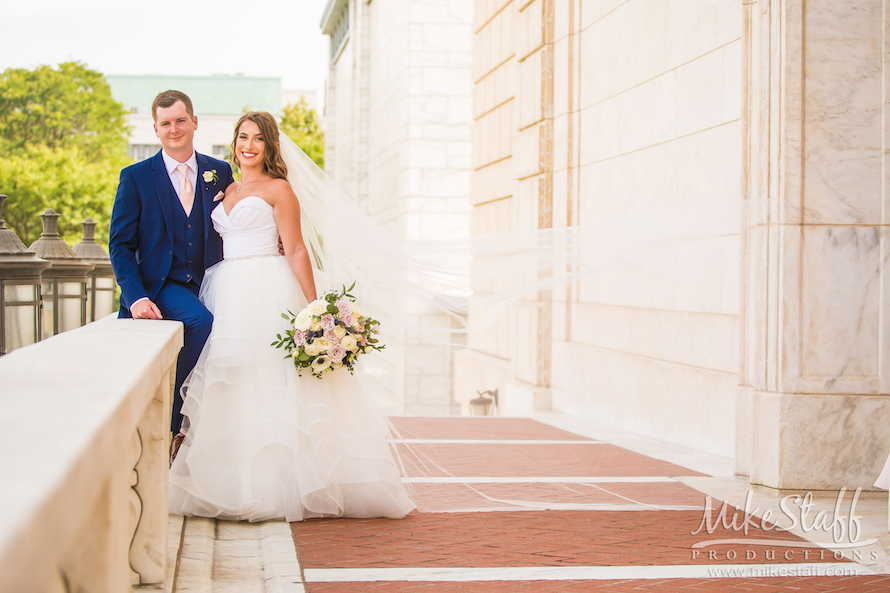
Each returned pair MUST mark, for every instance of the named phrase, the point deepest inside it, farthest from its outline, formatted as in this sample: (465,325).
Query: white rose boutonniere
(211,176)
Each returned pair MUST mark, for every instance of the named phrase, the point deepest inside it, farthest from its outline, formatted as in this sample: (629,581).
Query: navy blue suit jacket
(141,240)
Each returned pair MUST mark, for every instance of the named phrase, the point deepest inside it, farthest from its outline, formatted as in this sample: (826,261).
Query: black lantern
(20,270)
(101,283)
(64,284)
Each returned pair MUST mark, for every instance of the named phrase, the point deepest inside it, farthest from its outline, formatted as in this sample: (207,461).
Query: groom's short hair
(167,99)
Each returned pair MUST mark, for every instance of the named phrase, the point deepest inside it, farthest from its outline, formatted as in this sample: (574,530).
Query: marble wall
(399,98)
(588,112)
(765,342)
(812,402)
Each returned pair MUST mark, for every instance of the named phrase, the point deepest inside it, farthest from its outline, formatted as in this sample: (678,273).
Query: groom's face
(175,127)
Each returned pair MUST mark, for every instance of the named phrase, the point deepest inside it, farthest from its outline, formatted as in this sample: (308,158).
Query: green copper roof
(210,95)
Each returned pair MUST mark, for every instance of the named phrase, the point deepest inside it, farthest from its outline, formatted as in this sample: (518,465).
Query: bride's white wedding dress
(262,442)
(883,480)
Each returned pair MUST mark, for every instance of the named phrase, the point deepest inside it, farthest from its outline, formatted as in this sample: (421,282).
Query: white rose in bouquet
(318,306)
(349,343)
(323,344)
(303,320)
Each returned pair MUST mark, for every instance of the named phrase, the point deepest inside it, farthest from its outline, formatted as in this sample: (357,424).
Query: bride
(262,442)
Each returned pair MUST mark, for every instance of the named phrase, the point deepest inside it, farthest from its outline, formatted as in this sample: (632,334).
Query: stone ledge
(72,406)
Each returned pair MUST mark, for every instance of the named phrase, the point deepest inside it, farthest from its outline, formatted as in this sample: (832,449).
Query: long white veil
(402,281)
(467,281)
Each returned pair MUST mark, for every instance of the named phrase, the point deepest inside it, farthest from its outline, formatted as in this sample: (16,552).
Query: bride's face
(249,146)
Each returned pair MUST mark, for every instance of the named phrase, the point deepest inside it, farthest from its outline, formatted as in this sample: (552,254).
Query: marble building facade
(586,111)
(765,345)
(398,120)
(812,403)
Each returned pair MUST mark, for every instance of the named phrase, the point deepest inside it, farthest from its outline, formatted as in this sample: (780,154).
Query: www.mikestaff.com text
(781,571)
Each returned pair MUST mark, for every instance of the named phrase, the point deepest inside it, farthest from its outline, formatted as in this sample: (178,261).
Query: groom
(162,239)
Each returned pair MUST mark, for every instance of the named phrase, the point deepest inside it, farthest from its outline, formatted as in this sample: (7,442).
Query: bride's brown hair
(273,164)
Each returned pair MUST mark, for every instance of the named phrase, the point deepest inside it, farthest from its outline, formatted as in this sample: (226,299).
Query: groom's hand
(145,309)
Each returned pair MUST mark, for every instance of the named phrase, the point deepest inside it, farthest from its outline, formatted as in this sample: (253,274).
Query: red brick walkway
(597,523)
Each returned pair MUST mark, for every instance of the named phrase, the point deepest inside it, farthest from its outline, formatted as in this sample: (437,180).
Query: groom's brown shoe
(175,444)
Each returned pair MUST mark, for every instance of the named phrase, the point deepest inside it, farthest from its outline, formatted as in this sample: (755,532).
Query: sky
(278,38)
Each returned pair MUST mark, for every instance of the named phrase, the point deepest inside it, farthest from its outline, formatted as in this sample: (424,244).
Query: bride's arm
(286,209)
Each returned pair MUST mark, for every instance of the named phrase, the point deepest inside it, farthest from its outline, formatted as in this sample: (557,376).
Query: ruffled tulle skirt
(264,443)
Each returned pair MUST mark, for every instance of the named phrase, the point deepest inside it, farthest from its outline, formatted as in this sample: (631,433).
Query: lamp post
(20,270)
(64,284)
(101,283)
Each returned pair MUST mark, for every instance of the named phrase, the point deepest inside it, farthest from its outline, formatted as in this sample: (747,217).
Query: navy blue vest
(188,241)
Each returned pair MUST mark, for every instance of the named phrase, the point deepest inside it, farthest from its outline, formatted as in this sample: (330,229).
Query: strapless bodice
(248,230)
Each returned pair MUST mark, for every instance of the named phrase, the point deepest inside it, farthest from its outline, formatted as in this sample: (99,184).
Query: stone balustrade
(84,441)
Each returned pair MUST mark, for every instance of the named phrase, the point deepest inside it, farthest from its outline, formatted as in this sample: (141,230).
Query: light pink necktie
(186,191)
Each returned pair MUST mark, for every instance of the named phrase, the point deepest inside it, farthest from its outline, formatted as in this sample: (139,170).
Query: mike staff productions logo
(845,530)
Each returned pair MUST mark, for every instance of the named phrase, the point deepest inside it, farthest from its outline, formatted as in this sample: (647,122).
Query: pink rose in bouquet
(337,352)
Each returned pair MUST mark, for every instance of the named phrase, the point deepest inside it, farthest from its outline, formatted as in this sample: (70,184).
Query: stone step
(210,556)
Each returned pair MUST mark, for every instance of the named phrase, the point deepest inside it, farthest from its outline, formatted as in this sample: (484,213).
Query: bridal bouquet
(329,334)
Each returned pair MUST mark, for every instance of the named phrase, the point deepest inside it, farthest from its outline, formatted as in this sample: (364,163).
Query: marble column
(813,411)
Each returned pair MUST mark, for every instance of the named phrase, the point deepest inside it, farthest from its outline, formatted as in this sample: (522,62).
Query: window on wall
(340,31)
(140,152)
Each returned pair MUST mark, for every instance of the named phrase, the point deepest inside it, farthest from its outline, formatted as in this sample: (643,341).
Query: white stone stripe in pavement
(583,573)
(538,480)
(493,442)
(567,506)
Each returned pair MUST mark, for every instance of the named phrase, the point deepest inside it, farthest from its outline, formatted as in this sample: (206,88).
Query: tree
(301,125)
(63,141)
(38,177)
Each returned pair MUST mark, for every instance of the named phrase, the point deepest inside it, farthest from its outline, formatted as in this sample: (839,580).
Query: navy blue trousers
(179,302)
